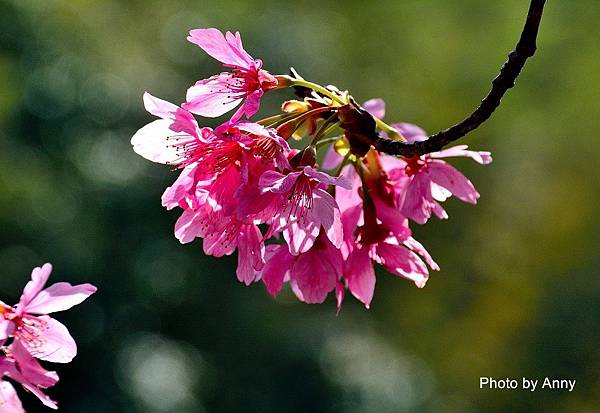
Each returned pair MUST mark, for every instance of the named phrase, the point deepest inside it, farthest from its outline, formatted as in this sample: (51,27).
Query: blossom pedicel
(27,334)
(242,187)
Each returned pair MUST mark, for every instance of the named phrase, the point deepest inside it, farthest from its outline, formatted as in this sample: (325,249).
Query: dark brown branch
(525,48)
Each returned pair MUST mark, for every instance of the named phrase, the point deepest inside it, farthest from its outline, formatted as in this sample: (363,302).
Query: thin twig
(525,48)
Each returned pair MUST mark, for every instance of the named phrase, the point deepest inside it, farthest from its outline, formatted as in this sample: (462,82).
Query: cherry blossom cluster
(29,334)
(319,217)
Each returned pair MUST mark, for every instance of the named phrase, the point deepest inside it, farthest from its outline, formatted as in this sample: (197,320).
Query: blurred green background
(173,331)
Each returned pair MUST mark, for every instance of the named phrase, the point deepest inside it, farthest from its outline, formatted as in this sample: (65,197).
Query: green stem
(273,120)
(322,128)
(326,141)
(318,88)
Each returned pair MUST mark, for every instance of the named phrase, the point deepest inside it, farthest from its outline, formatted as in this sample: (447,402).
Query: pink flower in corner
(20,366)
(28,322)
(246,82)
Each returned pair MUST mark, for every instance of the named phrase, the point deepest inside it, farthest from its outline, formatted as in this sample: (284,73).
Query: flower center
(301,196)
(265,148)
(217,157)
(31,331)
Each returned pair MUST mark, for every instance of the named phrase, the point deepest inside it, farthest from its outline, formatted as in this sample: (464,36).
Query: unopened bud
(291,106)
(283,81)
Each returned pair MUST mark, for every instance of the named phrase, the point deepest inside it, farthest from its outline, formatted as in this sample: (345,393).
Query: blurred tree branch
(509,72)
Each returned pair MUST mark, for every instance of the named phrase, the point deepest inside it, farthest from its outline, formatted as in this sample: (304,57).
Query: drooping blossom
(312,274)
(28,322)
(246,82)
(376,231)
(432,180)
(428,179)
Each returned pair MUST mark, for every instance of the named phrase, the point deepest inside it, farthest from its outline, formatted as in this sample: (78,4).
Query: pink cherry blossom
(432,180)
(377,232)
(22,367)
(44,337)
(224,176)
(312,274)
(172,139)
(305,207)
(246,82)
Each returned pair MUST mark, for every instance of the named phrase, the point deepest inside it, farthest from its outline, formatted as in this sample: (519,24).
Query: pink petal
(235,41)
(411,132)
(180,188)
(184,121)
(339,295)
(349,198)
(375,107)
(59,297)
(332,159)
(223,191)
(273,181)
(402,262)
(30,368)
(390,163)
(314,273)
(188,226)
(249,107)
(327,179)
(276,268)
(254,129)
(417,247)
(392,218)
(481,157)
(448,177)
(9,400)
(10,369)
(415,202)
(39,277)
(159,107)
(222,239)
(6,329)
(251,253)
(212,97)
(155,142)
(254,204)
(300,235)
(228,51)
(438,210)
(350,221)
(52,342)
(325,208)
(360,275)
